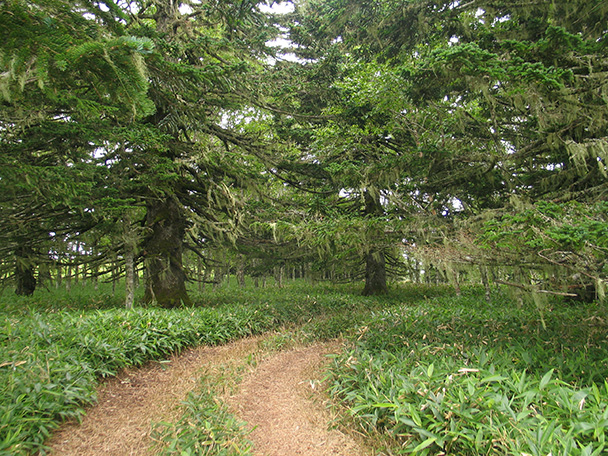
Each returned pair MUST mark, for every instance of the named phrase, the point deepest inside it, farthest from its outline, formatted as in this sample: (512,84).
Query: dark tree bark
(375,262)
(163,252)
(24,272)
(375,274)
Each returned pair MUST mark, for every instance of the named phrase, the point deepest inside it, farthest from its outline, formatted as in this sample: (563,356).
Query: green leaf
(415,415)
(385,405)
(545,380)
(493,378)
(427,443)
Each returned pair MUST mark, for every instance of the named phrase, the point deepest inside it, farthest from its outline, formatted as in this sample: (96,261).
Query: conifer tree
(69,77)
(119,106)
(469,110)
(204,69)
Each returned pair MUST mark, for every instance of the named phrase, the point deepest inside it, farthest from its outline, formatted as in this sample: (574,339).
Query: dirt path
(275,399)
(129,404)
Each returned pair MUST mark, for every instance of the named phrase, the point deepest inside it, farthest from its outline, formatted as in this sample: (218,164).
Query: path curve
(275,399)
(128,405)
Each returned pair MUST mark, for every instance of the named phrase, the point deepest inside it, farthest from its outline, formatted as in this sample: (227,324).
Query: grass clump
(206,428)
(458,376)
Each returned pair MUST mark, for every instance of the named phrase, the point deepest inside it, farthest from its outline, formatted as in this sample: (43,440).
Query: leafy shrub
(51,362)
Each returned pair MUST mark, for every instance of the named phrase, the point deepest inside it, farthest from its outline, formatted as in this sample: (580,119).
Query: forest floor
(279,395)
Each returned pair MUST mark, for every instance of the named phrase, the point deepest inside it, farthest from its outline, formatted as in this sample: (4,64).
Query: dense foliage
(456,376)
(114,124)
(145,135)
(447,113)
(430,371)
(428,141)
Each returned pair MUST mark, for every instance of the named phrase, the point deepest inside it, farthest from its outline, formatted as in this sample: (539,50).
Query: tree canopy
(454,136)
(465,116)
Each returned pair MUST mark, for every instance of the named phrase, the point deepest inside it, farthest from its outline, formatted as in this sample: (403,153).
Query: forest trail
(276,397)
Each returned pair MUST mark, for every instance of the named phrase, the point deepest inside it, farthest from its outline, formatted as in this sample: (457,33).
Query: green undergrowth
(51,363)
(51,359)
(205,428)
(428,372)
(458,376)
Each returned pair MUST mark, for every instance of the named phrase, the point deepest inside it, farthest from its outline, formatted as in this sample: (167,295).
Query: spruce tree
(471,111)
(68,78)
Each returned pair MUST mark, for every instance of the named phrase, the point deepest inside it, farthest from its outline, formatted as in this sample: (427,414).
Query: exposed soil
(277,399)
(128,405)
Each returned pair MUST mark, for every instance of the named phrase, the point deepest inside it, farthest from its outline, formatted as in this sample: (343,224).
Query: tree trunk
(457,283)
(129,278)
(484,280)
(76,266)
(114,276)
(453,277)
(129,275)
(59,277)
(205,278)
(24,272)
(278,276)
(68,278)
(310,276)
(199,273)
(375,274)
(219,270)
(95,277)
(130,243)
(44,275)
(163,252)
(240,271)
(375,262)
